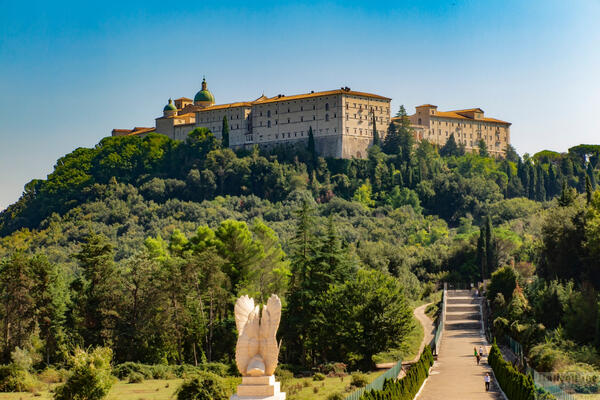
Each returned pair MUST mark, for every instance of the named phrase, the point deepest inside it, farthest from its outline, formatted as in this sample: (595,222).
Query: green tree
(312,150)
(90,377)
(225,132)
(503,281)
(99,292)
(483,151)
(450,148)
(391,143)
(363,195)
(376,141)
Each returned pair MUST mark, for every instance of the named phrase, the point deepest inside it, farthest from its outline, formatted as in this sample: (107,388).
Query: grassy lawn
(300,388)
(306,388)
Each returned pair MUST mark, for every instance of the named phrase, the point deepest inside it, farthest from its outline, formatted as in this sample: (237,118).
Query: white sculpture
(257,351)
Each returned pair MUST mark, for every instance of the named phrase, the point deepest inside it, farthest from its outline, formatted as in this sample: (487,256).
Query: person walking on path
(487,379)
(478,357)
(481,352)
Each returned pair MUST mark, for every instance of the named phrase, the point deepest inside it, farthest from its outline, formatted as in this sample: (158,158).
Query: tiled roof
(319,94)
(139,130)
(456,115)
(426,105)
(230,105)
(183,98)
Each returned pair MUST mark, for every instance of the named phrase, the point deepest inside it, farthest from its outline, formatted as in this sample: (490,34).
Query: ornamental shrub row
(407,387)
(515,385)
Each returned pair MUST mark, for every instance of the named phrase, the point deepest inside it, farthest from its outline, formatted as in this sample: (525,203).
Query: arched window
(419,121)
(269,113)
(326,106)
(268,124)
(326,117)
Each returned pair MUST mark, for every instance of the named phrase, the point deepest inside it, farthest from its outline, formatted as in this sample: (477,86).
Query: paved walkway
(455,374)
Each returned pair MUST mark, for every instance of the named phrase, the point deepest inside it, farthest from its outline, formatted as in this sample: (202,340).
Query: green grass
(409,348)
(304,388)
(298,388)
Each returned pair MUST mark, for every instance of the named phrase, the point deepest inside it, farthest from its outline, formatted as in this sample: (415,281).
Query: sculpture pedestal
(258,388)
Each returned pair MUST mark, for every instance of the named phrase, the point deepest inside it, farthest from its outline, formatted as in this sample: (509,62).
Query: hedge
(515,385)
(407,387)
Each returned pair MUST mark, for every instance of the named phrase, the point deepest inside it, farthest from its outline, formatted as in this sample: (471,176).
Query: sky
(70,72)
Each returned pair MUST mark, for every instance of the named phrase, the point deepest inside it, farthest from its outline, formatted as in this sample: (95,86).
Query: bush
(204,386)
(407,387)
(15,379)
(217,368)
(333,369)
(90,377)
(515,385)
(359,379)
(318,377)
(51,375)
(336,396)
(123,371)
(135,377)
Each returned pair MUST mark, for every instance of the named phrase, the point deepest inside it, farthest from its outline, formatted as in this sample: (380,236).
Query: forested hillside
(143,244)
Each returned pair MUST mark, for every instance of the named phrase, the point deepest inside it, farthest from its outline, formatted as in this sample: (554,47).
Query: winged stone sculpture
(257,351)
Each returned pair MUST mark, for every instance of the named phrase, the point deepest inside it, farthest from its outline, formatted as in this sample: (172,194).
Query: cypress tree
(540,188)
(225,133)
(590,173)
(375,134)
(490,248)
(312,151)
(481,255)
(588,189)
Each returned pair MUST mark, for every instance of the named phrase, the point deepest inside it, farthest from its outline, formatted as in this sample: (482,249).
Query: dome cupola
(204,97)
(170,109)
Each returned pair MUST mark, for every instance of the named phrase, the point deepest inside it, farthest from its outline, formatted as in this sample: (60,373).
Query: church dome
(170,106)
(204,97)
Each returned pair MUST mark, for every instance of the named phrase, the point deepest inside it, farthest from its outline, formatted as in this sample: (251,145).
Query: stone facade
(468,126)
(341,120)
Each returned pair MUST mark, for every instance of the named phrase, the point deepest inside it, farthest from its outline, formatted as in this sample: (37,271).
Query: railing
(437,339)
(552,388)
(540,379)
(377,384)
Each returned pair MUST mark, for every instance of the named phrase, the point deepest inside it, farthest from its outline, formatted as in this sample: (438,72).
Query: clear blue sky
(72,71)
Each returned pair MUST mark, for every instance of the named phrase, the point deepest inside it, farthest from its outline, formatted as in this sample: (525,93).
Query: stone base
(258,388)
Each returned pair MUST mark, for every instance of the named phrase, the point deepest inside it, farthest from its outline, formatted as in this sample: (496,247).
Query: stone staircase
(463,311)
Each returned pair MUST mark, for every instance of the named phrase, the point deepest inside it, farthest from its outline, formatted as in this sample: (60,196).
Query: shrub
(359,379)
(135,377)
(203,386)
(515,385)
(15,379)
(283,375)
(51,375)
(318,377)
(333,368)
(336,396)
(217,368)
(90,377)
(123,371)
(407,387)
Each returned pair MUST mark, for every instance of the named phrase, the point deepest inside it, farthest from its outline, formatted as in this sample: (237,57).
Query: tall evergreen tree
(490,246)
(481,254)
(483,151)
(391,143)
(540,188)
(450,148)
(312,151)
(225,132)
(592,175)
(376,141)
(99,292)
(588,189)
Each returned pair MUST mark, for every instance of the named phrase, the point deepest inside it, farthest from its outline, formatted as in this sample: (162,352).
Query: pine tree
(483,151)
(375,134)
(450,148)
(540,188)
(225,133)
(99,291)
(391,143)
